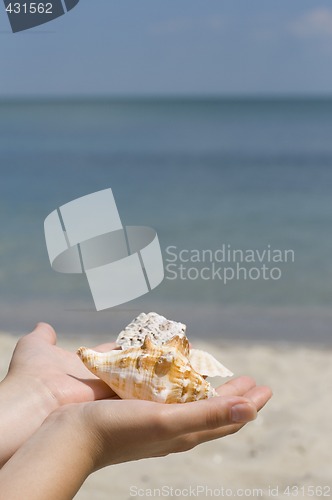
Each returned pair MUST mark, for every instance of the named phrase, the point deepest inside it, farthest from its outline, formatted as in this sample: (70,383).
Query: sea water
(248,175)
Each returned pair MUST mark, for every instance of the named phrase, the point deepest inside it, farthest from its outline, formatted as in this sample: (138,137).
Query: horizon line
(167,96)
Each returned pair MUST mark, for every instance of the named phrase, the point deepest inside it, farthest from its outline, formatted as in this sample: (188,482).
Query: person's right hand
(78,439)
(126,430)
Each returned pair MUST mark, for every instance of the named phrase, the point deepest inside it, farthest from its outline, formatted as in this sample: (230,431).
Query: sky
(170,47)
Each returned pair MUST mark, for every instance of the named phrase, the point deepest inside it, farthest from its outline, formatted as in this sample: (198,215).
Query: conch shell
(159,367)
(162,330)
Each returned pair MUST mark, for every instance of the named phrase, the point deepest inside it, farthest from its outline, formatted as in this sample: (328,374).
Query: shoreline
(244,324)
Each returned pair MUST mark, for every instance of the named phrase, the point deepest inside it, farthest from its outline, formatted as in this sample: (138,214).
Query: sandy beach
(289,445)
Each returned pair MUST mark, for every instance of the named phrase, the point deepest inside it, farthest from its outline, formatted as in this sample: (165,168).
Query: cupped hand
(60,374)
(125,430)
(43,377)
(78,439)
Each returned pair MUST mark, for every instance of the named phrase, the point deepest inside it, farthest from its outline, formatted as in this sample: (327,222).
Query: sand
(289,445)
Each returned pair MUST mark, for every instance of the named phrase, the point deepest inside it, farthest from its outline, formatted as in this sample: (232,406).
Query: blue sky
(135,47)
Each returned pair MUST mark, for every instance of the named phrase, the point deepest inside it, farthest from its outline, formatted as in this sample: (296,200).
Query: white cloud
(316,23)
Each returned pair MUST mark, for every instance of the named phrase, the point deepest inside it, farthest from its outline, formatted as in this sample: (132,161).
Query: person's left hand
(41,378)
(37,358)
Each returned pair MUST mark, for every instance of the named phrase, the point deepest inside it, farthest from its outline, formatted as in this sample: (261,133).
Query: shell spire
(179,343)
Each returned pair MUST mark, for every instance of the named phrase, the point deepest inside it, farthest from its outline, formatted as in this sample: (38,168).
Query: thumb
(44,331)
(210,414)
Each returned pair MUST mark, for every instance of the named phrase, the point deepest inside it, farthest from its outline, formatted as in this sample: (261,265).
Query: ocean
(213,176)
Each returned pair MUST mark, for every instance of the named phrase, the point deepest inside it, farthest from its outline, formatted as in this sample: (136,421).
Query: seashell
(207,365)
(163,330)
(154,373)
(155,363)
(160,328)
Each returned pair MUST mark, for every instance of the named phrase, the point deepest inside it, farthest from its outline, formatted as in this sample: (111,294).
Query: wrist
(82,439)
(81,423)
(60,450)
(92,421)
(25,404)
(28,392)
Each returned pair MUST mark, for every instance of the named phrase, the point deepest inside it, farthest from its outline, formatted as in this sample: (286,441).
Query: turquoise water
(249,173)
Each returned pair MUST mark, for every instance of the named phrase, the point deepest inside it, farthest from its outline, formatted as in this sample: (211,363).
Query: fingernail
(243,412)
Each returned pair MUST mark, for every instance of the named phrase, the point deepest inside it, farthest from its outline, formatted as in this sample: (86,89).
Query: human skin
(42,377)
(50,415)
(81,438)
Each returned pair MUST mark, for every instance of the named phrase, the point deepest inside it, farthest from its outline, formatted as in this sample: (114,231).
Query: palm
(124,425)
(61,372)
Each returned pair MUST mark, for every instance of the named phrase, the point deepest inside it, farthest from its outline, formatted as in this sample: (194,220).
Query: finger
(44,331)
(106,347)
(260,395)
(100,390)
(193,439)
(236,387)
(208,414)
